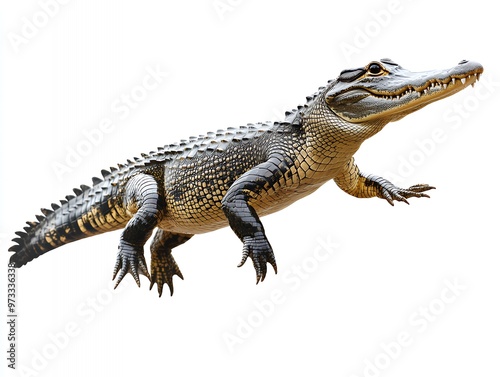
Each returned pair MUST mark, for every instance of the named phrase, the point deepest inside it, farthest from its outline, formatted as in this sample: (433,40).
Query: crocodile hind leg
(163,265)
(140,196)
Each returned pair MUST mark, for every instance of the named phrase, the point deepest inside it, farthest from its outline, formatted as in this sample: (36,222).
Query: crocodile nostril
(463,61)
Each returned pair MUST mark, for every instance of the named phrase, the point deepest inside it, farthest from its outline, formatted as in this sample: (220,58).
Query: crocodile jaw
(398,93)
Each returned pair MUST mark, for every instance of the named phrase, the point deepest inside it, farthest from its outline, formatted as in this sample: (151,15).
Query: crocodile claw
(392,193)
(163,269)
(129,260)
(261,253)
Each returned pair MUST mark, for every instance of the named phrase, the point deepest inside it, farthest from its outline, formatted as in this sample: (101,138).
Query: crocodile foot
(130,259)
(163,268)
(388,191)
(260,251)
(391,193)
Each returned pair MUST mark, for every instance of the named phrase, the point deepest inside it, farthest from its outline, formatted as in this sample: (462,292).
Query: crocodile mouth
(446,86)
(390,93)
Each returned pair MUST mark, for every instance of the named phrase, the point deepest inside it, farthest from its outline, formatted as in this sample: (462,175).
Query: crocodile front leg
(243,218)
(357,184)
(141,196)
(163,264)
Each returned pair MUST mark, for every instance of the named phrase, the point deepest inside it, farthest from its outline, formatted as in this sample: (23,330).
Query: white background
(231,62)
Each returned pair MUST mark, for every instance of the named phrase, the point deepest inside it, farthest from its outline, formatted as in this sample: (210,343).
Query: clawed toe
(129,260)
(392,193)
(261,253)
(163,269)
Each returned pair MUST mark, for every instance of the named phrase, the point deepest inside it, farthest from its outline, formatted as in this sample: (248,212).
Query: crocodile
(237,175)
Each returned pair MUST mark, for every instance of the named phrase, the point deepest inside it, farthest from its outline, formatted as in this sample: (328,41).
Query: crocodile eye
(375,69)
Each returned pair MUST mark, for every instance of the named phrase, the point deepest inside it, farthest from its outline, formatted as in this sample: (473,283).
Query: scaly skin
(235,176)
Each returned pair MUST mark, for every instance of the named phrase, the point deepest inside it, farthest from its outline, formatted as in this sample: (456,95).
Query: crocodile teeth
(453,80)
(445,86)
(463,80)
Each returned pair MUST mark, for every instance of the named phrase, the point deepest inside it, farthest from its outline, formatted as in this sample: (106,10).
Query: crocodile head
(383,91)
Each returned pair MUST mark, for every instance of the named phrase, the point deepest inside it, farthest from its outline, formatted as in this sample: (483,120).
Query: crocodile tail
(91,211)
